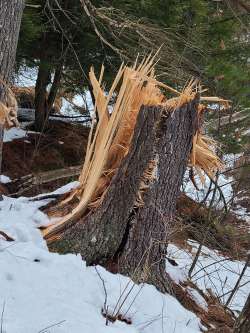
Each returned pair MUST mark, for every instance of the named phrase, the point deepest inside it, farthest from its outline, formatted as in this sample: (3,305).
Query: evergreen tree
(201,38)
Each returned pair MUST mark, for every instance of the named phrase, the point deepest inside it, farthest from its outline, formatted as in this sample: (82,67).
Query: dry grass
(215,316)
(109,143)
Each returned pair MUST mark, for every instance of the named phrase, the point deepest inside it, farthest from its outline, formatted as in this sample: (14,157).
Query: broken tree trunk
(144,251)
(121,230)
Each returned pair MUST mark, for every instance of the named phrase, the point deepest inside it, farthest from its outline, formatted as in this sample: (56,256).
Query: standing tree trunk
(41,107)
(121,231)
(43,79)
(55,86)
(10,20)
(242,324)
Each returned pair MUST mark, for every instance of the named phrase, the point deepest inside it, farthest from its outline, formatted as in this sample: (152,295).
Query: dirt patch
(62,145)
(230,236)
(215,316)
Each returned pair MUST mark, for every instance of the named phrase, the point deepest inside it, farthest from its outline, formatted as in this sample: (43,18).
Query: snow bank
(47,292)
(225,183)
(4,179)
(214,272)
(14,133)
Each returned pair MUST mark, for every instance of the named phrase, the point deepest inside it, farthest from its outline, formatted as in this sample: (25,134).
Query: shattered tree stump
(132,236)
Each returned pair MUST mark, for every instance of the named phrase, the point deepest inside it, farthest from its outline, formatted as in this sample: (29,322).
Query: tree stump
(121,231)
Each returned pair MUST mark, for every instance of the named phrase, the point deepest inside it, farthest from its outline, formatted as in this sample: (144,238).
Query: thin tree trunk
(58,75)
(117,231)
(43,79)
(41,107)
(55,86)
(10,20)
(236,287)
(206,231)
(242,324)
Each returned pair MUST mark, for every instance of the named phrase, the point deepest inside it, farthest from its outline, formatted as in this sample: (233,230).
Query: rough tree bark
(242,324)
(145,248)
(136,238)
(44,104)
(43,79)
(10,20)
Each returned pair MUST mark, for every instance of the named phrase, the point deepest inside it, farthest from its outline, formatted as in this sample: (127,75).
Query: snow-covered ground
(47,292)
(212,271)
(246,132)
(14,133)
(4,179)
(26,76)
(225,183)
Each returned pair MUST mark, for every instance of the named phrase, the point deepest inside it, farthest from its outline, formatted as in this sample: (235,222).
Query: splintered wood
(8,108)
(110,138)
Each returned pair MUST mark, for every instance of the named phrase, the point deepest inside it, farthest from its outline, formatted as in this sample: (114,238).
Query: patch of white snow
(4,179)
(47,292)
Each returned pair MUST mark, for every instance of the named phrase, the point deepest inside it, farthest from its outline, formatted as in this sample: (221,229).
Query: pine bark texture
(145,248)
(100,234)
(41,107)
(243,322)
(10,20)
(118,231)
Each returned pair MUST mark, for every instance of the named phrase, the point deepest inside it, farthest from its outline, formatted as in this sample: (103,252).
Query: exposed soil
(230,235)
(63,144)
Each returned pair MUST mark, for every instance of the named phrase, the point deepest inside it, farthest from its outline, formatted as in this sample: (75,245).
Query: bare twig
(105,308)
(236,287)
(2,314)
(228,292)
(205,233)
(53,325)
(216,262)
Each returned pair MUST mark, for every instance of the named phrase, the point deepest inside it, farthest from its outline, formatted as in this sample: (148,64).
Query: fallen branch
(27,182)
